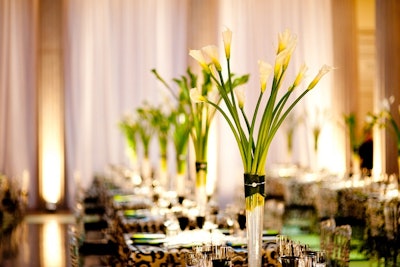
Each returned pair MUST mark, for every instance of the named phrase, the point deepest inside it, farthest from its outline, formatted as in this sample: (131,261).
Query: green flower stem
(395,128)
(251,148)
(230,83)
(275,129)
(181,165)
(242,139)
(316,137)
(234,131)
(290,141)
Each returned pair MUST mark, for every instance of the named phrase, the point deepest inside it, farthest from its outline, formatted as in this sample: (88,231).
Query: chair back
(391,214)
(341,247)
(327,229)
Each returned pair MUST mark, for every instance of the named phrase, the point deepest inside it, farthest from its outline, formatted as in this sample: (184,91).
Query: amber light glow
(52,253)
(50,104)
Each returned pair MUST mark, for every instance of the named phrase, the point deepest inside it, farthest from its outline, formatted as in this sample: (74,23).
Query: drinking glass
(282,242)
(192,258)
(207,252)
(200,220)
(309,258)
(241,218)
(221,256)
(183,222)
(320,259)
(290,261)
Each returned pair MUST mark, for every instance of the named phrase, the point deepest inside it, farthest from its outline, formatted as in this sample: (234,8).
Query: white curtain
(112,46)
(17,92)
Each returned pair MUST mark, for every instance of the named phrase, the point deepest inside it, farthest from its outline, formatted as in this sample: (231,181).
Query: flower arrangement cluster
(199,116)
(254,140)
(385,119)
(147,121)
(13,203)
(292,122)
(350,121)
(255,132)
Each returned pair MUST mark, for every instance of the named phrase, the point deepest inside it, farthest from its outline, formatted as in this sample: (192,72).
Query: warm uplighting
(50,106)
(52,253)
(51,176)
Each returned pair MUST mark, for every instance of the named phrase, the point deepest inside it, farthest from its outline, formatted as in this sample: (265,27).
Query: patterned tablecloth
(153,255)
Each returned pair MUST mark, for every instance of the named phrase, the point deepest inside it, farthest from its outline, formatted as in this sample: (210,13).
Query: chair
(341,246)
(391,213)
(327,229)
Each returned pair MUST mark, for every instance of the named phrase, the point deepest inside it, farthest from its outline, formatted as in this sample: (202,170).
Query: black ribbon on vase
(201,166)
(253,184)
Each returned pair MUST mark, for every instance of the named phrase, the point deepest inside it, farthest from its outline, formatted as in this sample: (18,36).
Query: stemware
(290,261)
(183,222)
(200,220)
(309,258)
(282,243)
(241,218)
(320,259)
(192,258)
(221,256)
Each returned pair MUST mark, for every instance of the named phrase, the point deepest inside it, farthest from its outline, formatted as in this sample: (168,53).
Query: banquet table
(164,255)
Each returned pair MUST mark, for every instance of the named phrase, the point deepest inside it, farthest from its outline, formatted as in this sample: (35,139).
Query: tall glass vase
(254,189)
(355,163)
(163,173)
(200,188)
(146,172)
(181,176)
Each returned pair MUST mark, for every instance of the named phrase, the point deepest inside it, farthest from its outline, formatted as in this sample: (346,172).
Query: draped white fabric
(18,143)
(110,48)
(113,47)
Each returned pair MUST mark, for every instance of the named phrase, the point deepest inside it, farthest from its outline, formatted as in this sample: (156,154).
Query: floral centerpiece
(384,118)
(161,122)
(292,121)
(317,120)
(350,121)
(200,116)
(145,131)
(254,136)
(129,128)
(180,136)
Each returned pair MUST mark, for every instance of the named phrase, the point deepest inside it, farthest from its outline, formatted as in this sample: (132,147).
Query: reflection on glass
(53,242)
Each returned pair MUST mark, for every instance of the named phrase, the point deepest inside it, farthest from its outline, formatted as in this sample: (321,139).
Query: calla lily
(265,71)
(300,76)
(227,37)
(212,52)
(196,96)
(198,55)
(286,39)
(280,60)
(214,71)
(385,104)
(289,51)
(324,70)
(241,96)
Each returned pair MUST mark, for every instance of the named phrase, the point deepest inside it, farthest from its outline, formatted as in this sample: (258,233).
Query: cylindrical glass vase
(254,188)
(200,187)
